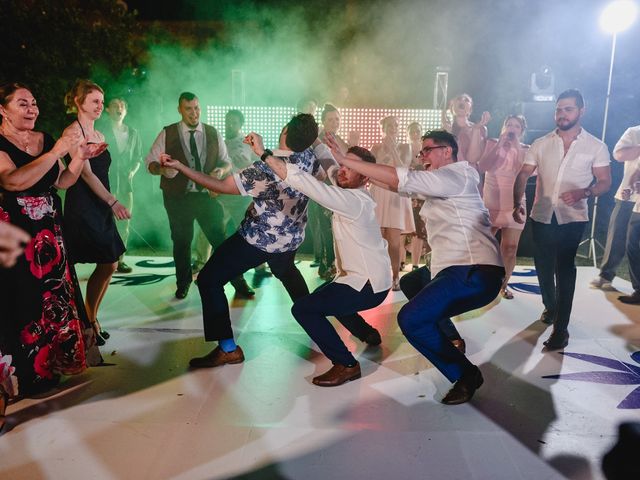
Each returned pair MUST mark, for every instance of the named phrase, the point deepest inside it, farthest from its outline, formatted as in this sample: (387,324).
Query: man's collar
(187,128)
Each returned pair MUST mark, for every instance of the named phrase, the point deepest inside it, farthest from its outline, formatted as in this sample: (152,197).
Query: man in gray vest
(202,148)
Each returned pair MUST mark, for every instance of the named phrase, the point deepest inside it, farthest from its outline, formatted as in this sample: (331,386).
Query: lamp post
(615,18)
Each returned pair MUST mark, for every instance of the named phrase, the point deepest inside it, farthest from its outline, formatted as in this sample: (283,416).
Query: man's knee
(408,319)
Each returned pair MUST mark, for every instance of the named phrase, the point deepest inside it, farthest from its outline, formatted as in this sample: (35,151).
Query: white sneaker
(601,283)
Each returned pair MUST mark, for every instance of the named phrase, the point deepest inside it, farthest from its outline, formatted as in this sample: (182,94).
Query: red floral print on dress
(4,216)
(43,253)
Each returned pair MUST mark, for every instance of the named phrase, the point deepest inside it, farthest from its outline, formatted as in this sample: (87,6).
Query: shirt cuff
(403,173)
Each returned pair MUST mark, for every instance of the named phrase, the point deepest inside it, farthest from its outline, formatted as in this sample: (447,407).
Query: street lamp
(615,18)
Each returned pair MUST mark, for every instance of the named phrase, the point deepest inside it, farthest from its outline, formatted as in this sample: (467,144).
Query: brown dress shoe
(217,357)
(460,344)
(337,375)
(464,388)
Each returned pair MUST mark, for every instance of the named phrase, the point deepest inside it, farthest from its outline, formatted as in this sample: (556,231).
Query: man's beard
(567,126)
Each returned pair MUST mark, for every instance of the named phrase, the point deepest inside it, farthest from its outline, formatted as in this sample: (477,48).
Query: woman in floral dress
(44,332)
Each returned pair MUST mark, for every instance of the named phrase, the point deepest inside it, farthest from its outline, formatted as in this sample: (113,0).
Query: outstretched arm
(227,185)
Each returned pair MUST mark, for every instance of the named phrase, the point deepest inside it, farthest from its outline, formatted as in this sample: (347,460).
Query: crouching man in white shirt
(363,267)
(466,263)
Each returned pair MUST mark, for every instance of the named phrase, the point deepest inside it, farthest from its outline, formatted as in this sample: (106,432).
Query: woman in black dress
(89,207)
(44,332)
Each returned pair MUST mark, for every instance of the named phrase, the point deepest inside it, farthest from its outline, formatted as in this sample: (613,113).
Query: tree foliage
(48,44)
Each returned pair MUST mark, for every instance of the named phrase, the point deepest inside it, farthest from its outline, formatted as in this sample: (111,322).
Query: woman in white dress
(393,212)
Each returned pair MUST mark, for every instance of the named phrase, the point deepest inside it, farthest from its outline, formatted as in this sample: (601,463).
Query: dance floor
(144,416)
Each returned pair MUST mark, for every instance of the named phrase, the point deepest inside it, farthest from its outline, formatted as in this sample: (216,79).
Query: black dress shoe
(182,292)
(464,388)
(373,338)
(547,317)
(244,291)
(633,299)
(557,340)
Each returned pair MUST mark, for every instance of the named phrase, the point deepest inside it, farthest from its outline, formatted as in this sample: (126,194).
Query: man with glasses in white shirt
(567,160)
(465,257)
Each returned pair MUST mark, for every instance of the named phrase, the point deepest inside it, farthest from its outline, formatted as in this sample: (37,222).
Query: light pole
(615,18)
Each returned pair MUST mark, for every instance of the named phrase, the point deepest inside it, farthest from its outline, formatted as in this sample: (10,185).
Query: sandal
(506,293)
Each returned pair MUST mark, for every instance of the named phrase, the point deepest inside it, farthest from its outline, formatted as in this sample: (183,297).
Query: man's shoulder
(547,137)
(171,126)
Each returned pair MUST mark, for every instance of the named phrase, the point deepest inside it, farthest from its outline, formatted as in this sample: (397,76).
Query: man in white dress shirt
(567,160)
(201,147)
(466,263)
(363,267)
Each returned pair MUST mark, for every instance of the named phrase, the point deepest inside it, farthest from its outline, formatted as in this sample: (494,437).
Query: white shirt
(361,252)
(458,225)
(159,144)
(559,173)
(630,138)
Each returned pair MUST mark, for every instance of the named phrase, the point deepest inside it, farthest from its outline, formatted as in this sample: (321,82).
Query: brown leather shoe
(337,375)
(460,344)
(464,388)
(217,357)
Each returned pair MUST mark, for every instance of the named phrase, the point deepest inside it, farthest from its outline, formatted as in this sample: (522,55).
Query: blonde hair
(80,90)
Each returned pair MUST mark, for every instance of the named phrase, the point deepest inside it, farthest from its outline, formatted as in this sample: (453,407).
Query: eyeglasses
(426,150)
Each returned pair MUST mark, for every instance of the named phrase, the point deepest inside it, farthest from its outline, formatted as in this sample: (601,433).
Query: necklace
(20,143)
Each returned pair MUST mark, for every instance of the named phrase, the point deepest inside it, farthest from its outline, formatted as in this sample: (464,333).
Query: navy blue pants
(234,257)
(453,291)
(343,302)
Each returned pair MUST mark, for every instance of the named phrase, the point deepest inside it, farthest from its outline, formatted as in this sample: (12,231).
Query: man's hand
(519,214)
(331,142)
(255,142)
(12,243)
(572,196)
(170,166)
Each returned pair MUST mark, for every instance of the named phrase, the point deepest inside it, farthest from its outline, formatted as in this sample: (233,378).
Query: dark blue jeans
(453,291)
(232,258)
(416,280)
(554,255)
(615,247)
(343,302)
(633,250)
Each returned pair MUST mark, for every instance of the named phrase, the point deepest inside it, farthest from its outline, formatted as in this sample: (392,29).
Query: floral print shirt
(276,219)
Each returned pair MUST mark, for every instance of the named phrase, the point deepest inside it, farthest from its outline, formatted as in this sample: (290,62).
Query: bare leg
(393,238)
(96,288)
(508,249)
(417,244)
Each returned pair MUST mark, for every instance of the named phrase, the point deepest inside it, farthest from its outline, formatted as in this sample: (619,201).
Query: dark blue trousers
(416,280)
(453,291)
(232,258)
(344,303)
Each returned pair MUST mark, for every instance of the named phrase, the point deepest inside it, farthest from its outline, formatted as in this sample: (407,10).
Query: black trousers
(182,211)
(554,255)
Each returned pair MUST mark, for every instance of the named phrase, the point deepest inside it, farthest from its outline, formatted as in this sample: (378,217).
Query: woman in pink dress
(393,212)
(501,161)
(471,136)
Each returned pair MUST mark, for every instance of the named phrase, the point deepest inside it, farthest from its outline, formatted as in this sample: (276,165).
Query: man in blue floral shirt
(272,231)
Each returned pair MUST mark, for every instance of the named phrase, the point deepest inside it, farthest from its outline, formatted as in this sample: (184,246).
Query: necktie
(194,150)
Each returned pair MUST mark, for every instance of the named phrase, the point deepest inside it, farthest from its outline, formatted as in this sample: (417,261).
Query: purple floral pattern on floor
(625,374)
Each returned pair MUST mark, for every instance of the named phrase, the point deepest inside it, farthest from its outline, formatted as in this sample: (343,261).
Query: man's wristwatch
(588,192)
(267,153)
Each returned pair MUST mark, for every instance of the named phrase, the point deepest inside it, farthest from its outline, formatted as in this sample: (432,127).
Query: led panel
(268,121)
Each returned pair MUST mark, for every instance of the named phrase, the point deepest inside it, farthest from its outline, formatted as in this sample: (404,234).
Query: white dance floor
(144,416)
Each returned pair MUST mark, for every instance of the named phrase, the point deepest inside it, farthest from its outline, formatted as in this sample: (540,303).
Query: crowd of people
(448,192)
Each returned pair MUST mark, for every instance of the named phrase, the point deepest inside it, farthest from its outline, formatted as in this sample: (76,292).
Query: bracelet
(114,202)
(267,153)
